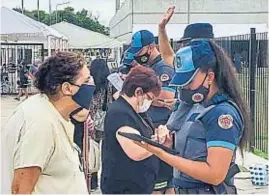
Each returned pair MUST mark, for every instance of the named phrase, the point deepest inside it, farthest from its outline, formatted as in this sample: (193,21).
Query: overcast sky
(106,8)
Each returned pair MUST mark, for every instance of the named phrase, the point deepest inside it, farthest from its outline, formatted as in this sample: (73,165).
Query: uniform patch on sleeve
(225,121)
(164,77)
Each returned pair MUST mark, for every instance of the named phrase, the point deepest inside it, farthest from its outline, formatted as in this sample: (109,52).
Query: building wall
(121,23)
(214,11)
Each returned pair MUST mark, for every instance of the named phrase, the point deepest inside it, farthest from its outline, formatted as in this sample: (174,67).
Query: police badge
(178,62)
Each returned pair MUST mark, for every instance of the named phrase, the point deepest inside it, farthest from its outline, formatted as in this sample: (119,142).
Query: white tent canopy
(81,38)
(16,24)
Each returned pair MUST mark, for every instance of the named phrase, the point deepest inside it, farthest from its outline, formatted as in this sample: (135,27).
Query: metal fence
(11,55)
(250,56)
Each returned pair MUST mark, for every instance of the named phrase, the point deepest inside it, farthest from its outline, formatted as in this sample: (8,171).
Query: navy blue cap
(198,31)
(190,59)
(141,39)
(128,58)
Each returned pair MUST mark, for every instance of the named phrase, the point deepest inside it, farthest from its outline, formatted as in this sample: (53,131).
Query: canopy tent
(16,27)
(15,23)
(81,38)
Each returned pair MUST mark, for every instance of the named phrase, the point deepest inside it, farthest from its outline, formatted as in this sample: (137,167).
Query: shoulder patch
(164,77)
(225,121)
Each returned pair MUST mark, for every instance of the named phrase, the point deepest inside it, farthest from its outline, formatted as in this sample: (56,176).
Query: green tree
(82,18)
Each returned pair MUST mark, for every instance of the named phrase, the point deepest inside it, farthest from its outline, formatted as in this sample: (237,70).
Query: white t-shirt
(37,135)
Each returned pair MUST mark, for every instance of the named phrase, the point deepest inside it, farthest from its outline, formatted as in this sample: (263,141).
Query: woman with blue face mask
(210,124)
(126,167)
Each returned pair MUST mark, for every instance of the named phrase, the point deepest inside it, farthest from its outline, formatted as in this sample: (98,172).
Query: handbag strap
(104,105)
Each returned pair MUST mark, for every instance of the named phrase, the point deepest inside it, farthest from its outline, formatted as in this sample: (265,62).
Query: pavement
(242,180)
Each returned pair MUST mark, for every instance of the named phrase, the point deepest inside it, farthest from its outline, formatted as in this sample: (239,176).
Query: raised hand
(167,16)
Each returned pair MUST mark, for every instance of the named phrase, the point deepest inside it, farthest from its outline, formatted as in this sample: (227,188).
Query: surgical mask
(194,96)
(145,106)
(84,95)
(143,59)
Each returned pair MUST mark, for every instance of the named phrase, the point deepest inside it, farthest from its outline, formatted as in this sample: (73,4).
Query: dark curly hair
(57,69)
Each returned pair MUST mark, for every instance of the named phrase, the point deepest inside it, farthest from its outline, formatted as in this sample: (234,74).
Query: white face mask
(144,108)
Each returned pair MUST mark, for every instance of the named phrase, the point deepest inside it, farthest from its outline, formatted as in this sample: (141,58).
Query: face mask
(194,96)
(143,59)
(146,105)
(84,95)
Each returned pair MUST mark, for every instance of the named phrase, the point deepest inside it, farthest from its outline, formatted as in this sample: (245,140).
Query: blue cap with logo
(128,58)
(190,59)
(141,39)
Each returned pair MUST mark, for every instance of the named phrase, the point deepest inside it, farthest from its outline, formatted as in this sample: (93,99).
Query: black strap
(104,106)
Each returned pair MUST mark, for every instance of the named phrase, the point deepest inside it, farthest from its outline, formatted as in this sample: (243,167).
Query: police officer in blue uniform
(210,123)
(145,53)
(127,62)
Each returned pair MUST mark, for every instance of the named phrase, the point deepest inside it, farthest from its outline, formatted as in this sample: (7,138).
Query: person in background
(145,53)
(127,64)
(23,83)
(237,61)
(127,169)
(34,68)
(210,123)
(102,97)
(40,156)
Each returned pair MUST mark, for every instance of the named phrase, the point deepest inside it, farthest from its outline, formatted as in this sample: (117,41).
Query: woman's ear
(66,88)
(210,77)
(138,91)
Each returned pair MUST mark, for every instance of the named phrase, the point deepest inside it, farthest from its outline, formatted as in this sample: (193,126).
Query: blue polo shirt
(160,115)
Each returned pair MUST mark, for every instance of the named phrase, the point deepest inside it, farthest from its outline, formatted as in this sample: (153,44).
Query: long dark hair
(227,82)
(99,71)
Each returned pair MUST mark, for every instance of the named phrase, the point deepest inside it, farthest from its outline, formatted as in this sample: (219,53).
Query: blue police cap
(141,39)
(190,59)
(198,31)
(128,58)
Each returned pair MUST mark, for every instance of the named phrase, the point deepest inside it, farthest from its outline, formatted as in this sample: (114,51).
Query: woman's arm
(132,150)
(164,45)
(25,180)
(213,171)
(223,127)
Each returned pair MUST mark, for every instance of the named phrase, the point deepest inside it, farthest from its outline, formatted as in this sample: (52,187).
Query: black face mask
(84,95)
(194,96)
(143,59)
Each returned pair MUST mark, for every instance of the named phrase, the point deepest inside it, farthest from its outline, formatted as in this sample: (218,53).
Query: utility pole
(189,7)
(38,17)
(50,10)
(22,6)
(59,4)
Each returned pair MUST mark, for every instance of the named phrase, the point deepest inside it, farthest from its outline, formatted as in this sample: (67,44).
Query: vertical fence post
(252,78)
(42,53)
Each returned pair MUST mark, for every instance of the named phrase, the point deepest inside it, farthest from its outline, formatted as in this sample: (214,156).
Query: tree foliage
(83,18)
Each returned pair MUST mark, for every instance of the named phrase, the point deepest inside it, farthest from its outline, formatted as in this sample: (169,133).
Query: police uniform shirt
(223,123)
(198,127)
(160,115)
